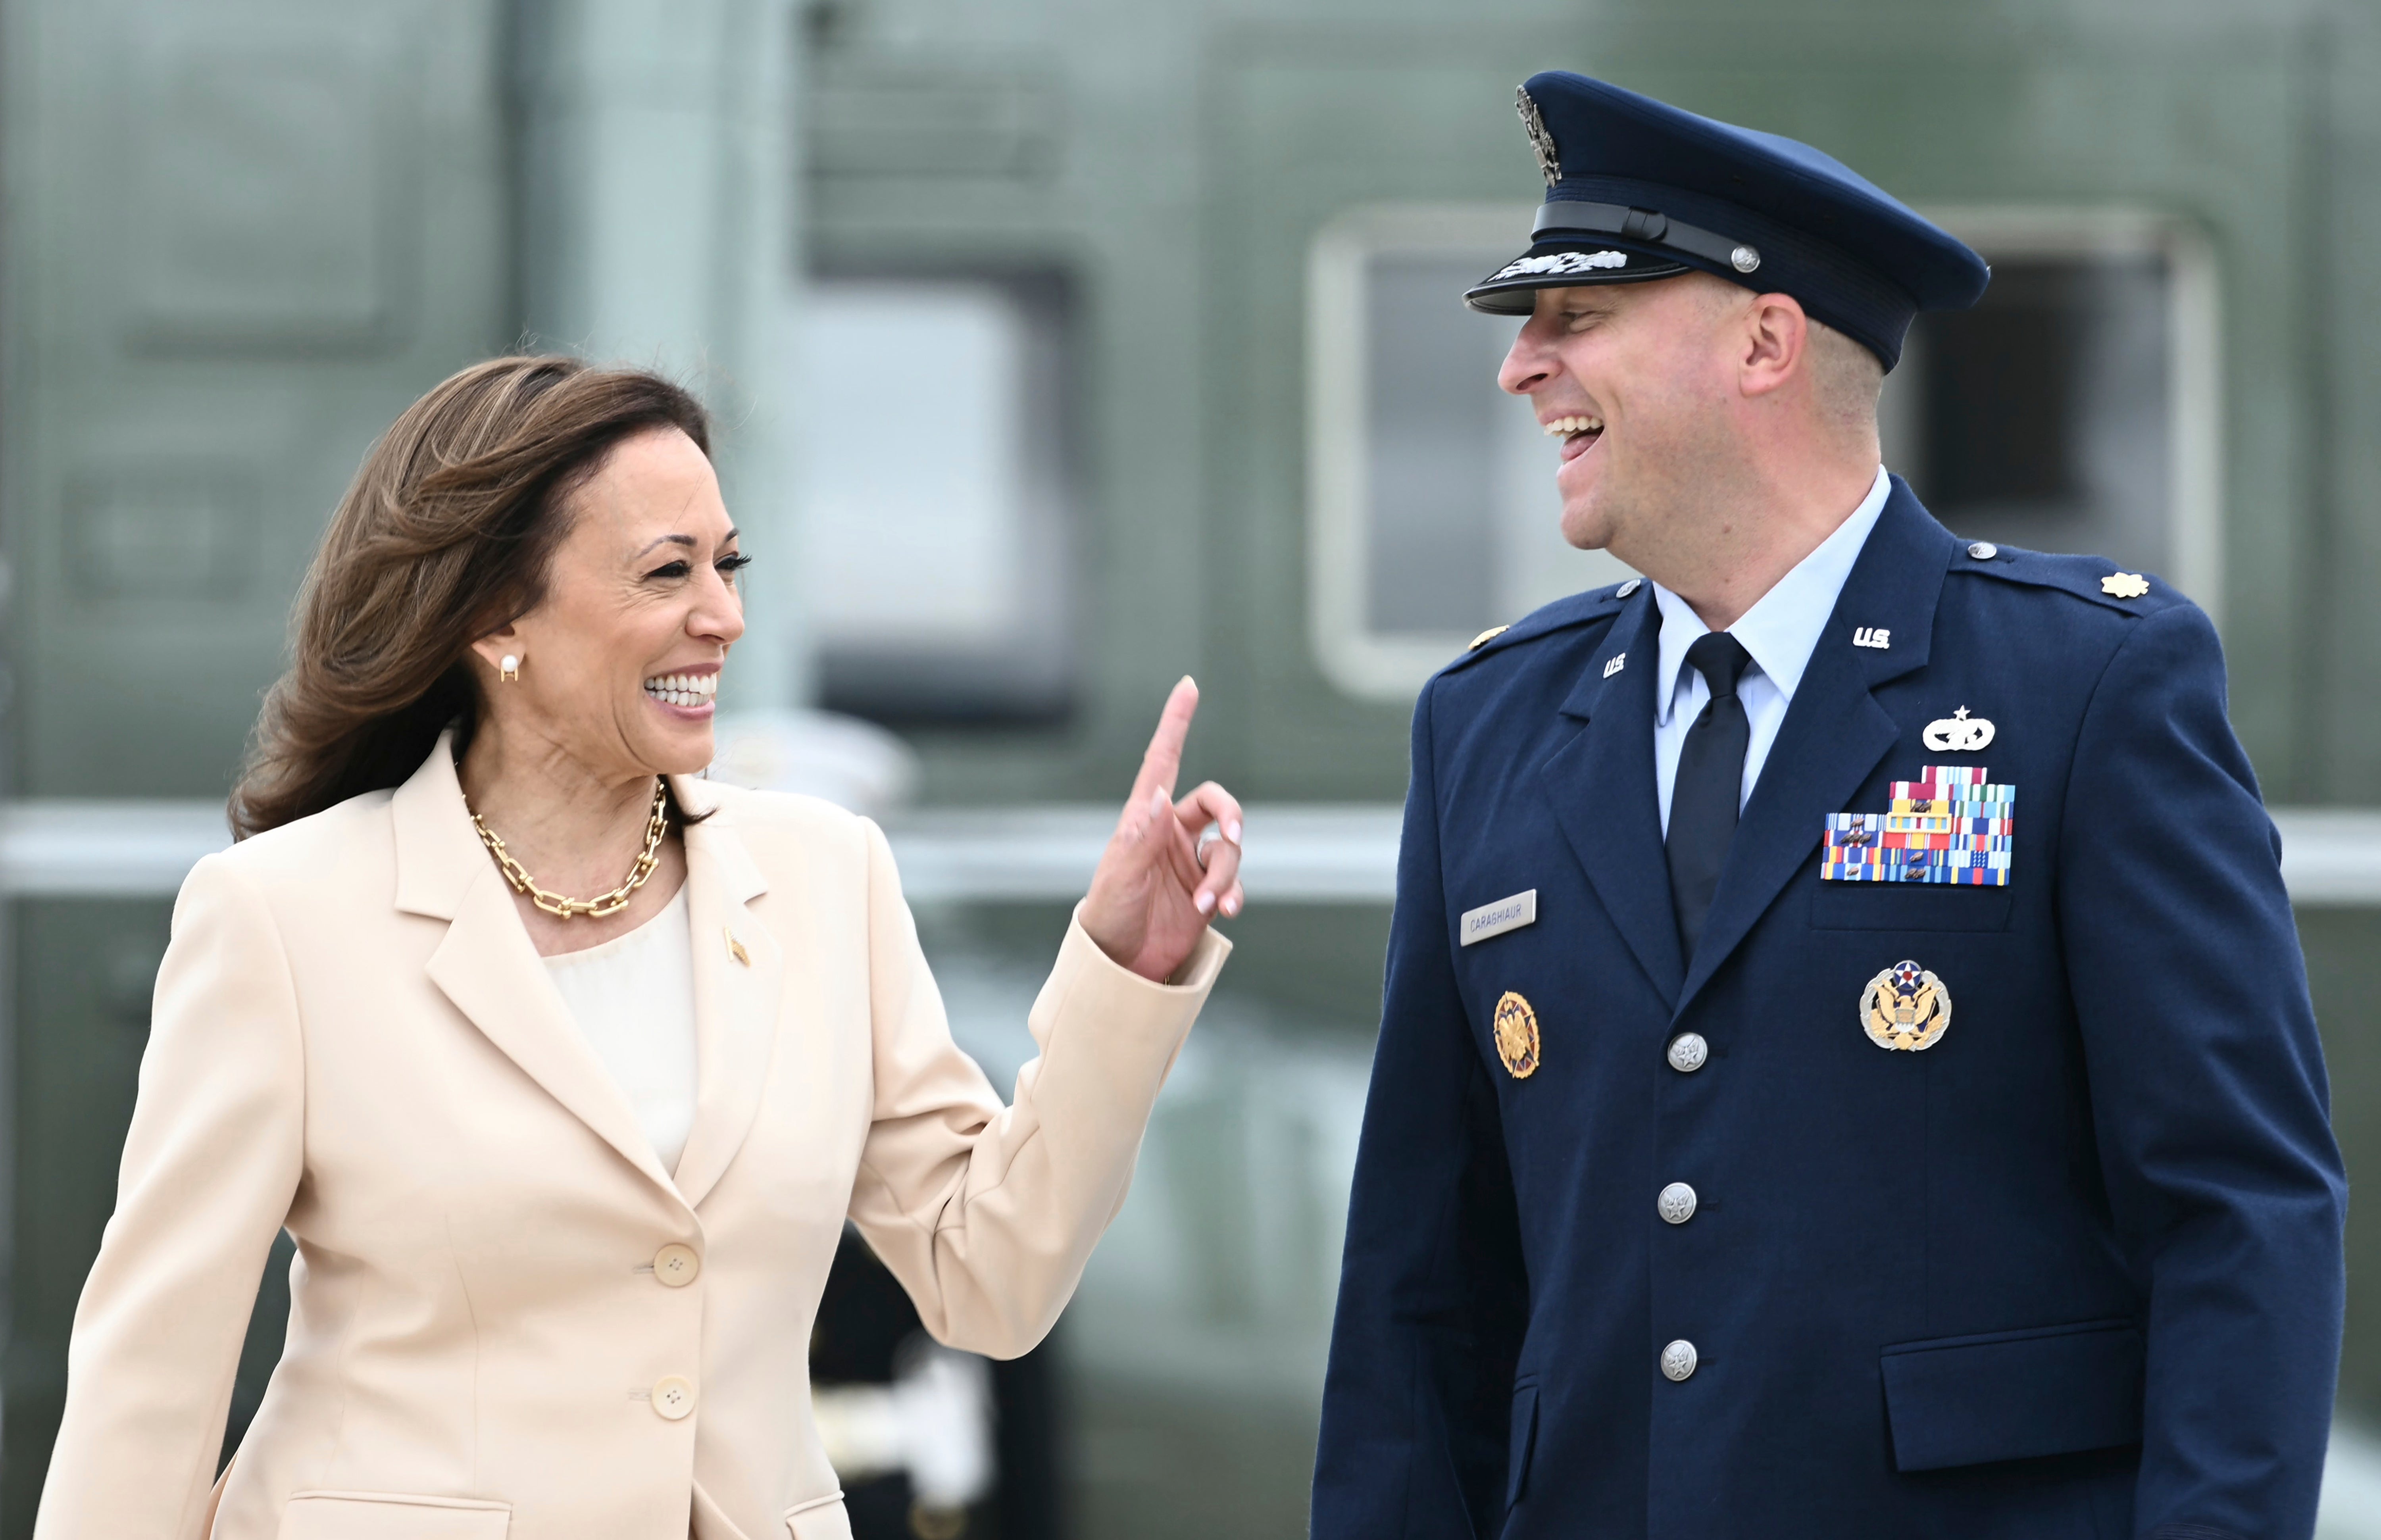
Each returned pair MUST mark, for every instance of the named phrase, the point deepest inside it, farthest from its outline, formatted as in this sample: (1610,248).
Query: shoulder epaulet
(1577,609)
(2093,578)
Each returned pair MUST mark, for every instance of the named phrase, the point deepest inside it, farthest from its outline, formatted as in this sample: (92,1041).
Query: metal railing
(1298,853)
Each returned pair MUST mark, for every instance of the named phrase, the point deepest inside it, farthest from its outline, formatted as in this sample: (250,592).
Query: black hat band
(1834,287)
(1645,225)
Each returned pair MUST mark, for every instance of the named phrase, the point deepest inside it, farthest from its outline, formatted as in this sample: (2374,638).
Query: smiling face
(1638,380)
(620,661)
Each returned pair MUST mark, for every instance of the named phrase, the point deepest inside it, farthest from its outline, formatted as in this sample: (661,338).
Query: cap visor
(1512,288)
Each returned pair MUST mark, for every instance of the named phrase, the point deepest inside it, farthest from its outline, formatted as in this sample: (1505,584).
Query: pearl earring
(509,669)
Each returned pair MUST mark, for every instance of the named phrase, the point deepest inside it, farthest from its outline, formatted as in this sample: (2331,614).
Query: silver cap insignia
(1549,157)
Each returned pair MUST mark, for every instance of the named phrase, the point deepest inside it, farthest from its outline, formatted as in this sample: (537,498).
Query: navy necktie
(1705,797)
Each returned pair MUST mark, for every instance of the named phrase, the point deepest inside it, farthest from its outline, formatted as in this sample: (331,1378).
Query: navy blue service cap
(1638,189)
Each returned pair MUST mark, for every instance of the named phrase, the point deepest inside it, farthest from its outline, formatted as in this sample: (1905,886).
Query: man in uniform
(1847,1069)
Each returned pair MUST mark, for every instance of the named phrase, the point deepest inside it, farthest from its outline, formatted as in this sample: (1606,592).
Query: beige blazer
(507,1320)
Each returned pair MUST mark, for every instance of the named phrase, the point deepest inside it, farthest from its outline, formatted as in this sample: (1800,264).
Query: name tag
(1505,914)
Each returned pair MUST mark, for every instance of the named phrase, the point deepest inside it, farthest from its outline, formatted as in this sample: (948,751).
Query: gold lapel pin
(1516,1030)
(736,948)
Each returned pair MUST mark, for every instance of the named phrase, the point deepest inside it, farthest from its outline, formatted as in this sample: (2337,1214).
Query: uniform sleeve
(211,1165)
(2208,1093)
(1433,1292)
(987,1214)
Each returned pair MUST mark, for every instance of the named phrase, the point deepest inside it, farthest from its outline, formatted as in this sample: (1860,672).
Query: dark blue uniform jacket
(2074,1270)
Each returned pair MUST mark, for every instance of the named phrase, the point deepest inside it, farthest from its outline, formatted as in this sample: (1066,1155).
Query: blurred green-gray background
(1061,348)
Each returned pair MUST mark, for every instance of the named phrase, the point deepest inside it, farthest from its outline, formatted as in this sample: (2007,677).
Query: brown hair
(447,534)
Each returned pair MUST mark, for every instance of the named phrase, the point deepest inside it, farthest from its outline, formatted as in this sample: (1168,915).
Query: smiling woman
(447,533)
(564,1067)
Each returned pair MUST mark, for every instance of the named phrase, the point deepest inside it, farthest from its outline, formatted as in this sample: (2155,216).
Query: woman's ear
(500,647)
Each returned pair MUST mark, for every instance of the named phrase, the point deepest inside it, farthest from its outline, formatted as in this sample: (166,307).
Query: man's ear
(1777,344)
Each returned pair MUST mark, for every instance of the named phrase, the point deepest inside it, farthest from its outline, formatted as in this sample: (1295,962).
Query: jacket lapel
(1600,781)
(486,965)
(737,998)
(1835,732)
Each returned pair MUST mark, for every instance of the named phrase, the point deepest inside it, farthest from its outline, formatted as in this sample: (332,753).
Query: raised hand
(1150,900)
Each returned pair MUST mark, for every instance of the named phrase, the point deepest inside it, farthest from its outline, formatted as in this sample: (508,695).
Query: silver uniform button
(1679,1361)
(1688,1051)
(1983,550)
(1676,1203)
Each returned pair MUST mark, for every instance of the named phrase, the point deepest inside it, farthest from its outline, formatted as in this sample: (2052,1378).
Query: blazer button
(673,1396)
(1677,1363)
(676,1265)
(1676,1202)
(1688,1051)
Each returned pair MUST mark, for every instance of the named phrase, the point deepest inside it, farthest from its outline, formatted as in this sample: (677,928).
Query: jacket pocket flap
(823,1520)
(389,1516)
(2014,1395)
(1900,906)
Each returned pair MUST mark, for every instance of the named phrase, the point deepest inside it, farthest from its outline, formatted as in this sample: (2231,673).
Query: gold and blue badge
(1516,1030)
(1905,1007)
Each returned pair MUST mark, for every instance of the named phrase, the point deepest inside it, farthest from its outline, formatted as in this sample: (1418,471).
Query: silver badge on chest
(1960,733)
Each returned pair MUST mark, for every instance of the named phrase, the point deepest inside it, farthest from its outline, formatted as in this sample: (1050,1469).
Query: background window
(936,485)
(2075,409)
(1433,508)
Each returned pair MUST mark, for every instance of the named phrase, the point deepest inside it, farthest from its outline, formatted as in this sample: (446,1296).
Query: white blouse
(633,999)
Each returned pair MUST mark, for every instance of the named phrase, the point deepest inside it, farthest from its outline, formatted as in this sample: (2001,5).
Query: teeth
(683,689)
(1563,427)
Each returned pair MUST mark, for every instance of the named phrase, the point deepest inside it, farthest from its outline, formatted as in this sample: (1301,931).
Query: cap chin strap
(1645,225)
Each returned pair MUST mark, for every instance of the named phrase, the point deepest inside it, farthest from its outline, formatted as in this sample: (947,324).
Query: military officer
(1847,1069)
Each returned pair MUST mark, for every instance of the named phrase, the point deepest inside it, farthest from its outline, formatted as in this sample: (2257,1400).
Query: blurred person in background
(1684,1206)
(564,1066)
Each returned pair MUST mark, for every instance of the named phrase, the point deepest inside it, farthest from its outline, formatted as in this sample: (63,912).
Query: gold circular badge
(1517,1035)
(1905,1007)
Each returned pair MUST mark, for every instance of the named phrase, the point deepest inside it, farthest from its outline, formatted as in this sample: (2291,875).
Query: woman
(563,1066)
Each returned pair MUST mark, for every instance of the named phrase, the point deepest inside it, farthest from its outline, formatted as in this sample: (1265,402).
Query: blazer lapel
(1835,732)
(740,974)
(486,965)
(1600,781)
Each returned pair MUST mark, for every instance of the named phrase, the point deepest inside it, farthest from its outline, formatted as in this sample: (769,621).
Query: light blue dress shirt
(1780,631)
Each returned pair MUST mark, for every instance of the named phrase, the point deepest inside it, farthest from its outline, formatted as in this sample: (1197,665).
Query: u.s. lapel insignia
(1620,661)
(1959,734)
(2124,585)
(1906,1008)
(1516,1030)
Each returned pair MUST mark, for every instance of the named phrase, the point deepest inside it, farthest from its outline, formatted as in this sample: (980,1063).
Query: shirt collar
(1782,627)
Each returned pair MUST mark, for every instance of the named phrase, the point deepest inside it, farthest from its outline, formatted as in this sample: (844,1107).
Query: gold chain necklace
(656,829)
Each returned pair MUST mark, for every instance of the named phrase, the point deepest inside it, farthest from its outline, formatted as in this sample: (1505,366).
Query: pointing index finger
(1162,763)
